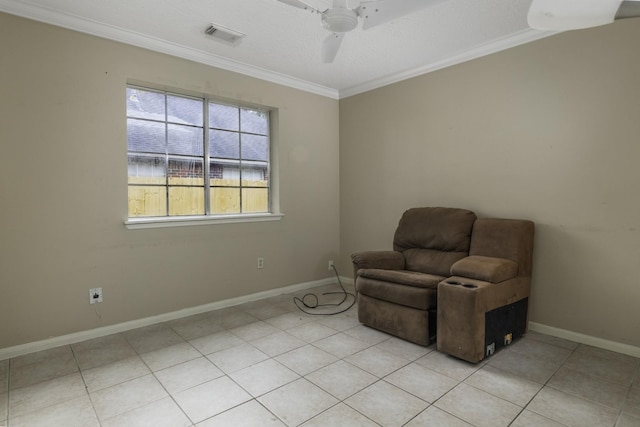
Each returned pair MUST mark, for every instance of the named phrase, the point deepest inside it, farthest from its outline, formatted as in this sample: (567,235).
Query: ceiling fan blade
(297,3)
(560,15)
(331,46)
(378,12)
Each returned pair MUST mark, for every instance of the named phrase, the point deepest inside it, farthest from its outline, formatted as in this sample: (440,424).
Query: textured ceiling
(283,43)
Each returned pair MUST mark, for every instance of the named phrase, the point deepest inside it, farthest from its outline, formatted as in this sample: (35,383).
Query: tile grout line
(235,382)
(449,391)
(369,346)
(339,401)
(253,398)
(270,358)
(86,388)
(628,393)
(524,407)
(620,409)
(8,391)
(158,380)
(379,379)
(151,372)
(545,384)
(429,404)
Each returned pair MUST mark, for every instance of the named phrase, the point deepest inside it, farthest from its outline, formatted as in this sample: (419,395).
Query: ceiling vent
(222,33)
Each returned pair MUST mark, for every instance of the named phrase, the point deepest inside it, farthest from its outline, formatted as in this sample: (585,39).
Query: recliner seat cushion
(404,277)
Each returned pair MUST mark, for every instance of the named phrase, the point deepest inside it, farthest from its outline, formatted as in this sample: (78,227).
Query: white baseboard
(585,339)
(19,350)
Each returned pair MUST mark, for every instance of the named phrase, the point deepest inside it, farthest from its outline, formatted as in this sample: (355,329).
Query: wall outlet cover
(95,295)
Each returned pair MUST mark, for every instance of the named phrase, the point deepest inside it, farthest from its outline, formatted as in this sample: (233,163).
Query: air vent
(225,34)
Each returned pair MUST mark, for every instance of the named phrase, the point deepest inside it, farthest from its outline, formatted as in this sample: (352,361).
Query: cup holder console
(464,285)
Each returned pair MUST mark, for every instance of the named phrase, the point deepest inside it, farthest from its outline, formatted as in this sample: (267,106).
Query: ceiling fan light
(339,20)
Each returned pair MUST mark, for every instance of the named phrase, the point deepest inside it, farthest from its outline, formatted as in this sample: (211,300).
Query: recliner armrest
(384,260)
(488,269)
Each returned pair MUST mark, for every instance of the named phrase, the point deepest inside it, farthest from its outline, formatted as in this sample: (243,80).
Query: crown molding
(513,40)
(110,32)
(94,28)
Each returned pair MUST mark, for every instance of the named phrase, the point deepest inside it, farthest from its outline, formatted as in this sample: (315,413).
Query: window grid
(206,165)
(241,160)
(243,187)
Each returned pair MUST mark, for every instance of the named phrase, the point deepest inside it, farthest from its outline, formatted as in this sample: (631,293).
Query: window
(192,156)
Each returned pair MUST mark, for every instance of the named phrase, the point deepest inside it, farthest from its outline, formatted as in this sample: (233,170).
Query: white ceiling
(283,43)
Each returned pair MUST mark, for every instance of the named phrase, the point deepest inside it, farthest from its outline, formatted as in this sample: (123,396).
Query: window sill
(183,221)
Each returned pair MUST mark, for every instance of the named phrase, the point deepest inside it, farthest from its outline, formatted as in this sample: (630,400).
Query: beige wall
(548,131)
(63,190)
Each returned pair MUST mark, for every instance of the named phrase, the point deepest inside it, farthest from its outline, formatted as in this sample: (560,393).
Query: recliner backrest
(433,238)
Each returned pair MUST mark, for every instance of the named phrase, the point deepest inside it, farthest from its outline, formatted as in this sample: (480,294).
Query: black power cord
(316,301)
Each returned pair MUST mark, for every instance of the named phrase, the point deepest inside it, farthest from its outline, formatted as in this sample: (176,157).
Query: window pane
(166,154)
(254,177)
(147,170)
(224,117)
(225,200)
(145,136)
(184,110)
(255,147)
(186,200)
(147,201)
(224,145)
(185,172)
(145,104)
(186,140)
(224,175)
(255,200)
(254,121)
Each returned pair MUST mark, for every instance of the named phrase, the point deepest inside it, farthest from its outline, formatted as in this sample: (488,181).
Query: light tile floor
(266,363)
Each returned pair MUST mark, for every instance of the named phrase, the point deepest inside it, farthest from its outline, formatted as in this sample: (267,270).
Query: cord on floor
(315,301)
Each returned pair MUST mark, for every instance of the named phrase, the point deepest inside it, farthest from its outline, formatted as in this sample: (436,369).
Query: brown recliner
(397,290)
(471,275)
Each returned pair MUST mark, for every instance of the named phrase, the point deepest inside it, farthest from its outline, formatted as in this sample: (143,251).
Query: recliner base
(504,325)
(411,324)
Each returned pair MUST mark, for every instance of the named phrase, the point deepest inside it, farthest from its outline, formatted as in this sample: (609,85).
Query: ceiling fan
(340,19)
(561,15)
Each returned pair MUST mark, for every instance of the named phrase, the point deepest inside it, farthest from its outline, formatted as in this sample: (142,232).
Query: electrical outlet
(330,264)
(260,263)
(95,295)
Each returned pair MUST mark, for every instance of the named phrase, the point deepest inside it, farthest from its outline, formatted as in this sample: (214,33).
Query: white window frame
(273,213)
